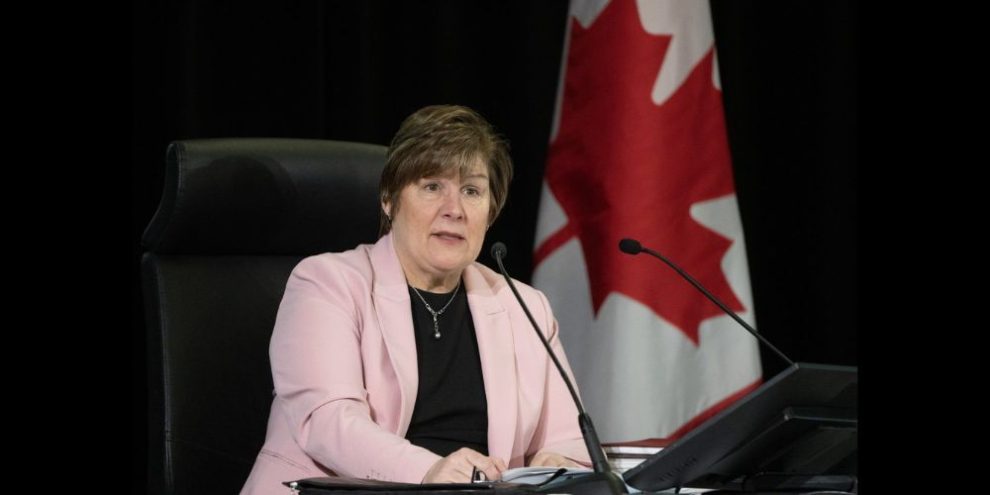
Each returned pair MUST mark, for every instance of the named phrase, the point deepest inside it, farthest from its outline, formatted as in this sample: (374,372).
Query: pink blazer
(343,359)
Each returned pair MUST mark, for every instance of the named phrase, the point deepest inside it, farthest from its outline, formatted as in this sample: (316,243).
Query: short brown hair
(435,141)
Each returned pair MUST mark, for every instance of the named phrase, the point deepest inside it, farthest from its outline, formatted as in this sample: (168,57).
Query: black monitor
(796,431)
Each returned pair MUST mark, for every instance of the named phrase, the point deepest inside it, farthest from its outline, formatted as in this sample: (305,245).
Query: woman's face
(440,227)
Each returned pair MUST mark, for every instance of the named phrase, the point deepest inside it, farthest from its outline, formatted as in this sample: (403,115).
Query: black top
(451,407)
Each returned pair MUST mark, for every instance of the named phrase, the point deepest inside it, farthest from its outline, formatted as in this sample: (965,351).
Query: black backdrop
(353,70)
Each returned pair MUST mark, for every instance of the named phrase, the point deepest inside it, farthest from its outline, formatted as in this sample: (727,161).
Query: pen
(477,476)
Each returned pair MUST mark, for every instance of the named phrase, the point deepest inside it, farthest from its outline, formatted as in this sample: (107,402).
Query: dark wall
(789,78)
(354,70)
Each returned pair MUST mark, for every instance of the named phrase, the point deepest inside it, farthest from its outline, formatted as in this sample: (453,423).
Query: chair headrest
(266,196)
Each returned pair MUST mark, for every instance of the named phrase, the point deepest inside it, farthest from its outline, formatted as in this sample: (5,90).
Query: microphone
(633,247)
(603,478)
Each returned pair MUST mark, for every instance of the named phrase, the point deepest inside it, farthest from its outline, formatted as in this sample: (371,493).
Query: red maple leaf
(621,166)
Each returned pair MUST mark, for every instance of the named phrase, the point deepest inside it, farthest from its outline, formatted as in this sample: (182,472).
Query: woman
(407,360)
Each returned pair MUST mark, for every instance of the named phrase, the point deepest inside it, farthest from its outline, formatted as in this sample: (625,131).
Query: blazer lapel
(392,306)
(498,365)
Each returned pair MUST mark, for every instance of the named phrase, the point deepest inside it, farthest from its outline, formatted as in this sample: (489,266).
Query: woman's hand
(552,459)
(457,467)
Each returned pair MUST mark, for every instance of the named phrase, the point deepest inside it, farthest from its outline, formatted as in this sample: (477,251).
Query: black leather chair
(235,217)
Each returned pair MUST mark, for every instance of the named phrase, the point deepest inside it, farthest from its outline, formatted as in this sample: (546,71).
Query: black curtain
(353,70)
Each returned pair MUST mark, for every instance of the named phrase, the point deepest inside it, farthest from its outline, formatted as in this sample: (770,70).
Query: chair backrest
(236,216)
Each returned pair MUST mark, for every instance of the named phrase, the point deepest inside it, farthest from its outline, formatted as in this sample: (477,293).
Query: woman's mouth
(448,236)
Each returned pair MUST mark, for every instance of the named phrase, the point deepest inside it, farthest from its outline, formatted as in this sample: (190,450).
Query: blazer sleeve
(558,430)
(317,371)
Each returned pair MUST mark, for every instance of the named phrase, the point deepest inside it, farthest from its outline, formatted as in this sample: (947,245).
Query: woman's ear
(387,208)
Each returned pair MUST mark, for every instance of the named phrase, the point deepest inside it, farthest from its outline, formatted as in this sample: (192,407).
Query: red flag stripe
(553,242)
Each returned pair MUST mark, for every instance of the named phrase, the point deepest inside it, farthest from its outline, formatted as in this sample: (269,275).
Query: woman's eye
(432,186)
(472,191)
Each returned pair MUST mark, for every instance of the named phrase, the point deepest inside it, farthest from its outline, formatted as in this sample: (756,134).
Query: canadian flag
(638,149)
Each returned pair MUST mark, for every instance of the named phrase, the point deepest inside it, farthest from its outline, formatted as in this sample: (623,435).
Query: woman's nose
(452,207)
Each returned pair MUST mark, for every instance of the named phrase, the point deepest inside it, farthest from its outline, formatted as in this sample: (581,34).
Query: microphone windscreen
(630,246)
(499,250)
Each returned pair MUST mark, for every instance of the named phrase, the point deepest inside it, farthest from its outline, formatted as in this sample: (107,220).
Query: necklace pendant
(436,314)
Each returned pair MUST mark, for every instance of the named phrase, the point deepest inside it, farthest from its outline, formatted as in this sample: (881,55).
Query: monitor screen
(798,427)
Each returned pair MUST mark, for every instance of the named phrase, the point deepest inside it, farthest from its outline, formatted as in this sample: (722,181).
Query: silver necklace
(436,325)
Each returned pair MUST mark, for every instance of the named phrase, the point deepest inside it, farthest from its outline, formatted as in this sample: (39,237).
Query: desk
(351,486)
